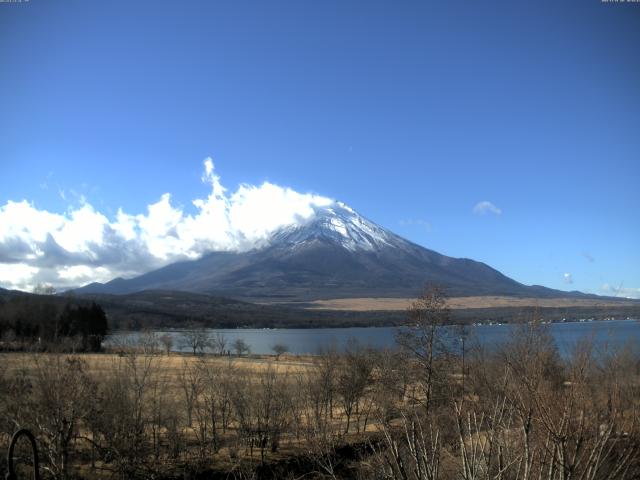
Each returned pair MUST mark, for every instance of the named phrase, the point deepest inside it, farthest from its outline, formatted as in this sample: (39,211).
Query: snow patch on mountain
(340,224)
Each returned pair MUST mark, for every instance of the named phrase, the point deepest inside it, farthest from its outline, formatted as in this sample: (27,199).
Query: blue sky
(410,112)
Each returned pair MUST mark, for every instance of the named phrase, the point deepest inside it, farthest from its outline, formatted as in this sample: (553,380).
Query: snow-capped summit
(338,223)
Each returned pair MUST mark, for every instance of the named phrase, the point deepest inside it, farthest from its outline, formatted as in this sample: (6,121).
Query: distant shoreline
(301,341)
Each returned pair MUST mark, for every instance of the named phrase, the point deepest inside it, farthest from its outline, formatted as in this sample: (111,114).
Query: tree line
(44,321)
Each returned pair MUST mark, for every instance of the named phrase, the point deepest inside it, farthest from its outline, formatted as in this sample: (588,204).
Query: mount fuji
(336,253)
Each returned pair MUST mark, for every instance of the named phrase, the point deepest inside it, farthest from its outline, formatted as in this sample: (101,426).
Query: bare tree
(212,408)
(241,347)
(354,376)
(61,400)
(120,420)
(412,451)
(321,435)
(279,349)
(423,339)
(326,363)
(167,342)
(162,408)
(262,410)
(190,382)
(196,339)
(149,342)
(219,343)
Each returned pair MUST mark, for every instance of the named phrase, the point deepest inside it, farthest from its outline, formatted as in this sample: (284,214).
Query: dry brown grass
(102,363)
(456,303)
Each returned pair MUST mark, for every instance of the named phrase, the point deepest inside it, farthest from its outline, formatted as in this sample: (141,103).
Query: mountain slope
(336,254)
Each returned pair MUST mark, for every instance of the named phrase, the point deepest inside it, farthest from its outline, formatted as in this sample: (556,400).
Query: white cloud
(158,228)
(484,207)
(568,278)
(620,291)
(255,212)
(83,245)
(125,225)
(17,277)
(84,228)
(78,274)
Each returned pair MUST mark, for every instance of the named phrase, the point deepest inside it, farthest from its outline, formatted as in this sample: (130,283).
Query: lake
(605,334)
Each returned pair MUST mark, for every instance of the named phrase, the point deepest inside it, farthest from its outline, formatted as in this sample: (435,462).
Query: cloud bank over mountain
(83,245)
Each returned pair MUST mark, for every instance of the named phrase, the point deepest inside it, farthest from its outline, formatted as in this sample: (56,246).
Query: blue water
(609,334)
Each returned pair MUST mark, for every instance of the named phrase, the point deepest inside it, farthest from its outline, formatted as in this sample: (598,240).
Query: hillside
(336,254)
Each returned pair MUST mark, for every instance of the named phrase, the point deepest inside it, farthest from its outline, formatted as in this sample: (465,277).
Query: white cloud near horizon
(484,207)
(623,292)
(567,278)
(82,245)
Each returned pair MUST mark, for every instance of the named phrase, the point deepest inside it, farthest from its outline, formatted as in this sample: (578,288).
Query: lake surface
(606,334)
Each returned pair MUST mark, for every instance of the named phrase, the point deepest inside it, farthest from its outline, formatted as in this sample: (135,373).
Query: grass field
(461,303)
(100,364)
